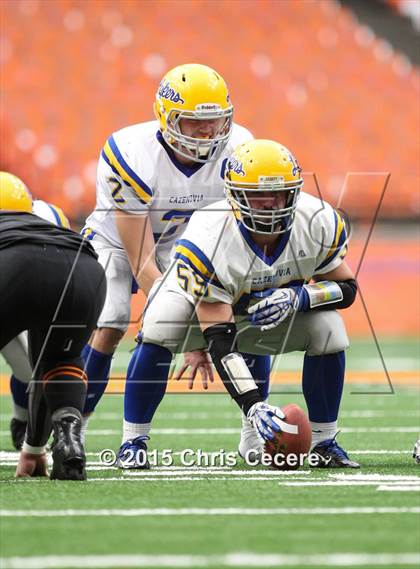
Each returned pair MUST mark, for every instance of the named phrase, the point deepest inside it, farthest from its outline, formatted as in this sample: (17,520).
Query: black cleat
(17,430)
(68,454)
(331,455)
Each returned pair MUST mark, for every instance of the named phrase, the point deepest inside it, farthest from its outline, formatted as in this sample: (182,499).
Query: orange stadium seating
(305,73)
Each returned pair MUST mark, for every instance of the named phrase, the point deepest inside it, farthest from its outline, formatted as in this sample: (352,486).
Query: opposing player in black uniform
(51,285)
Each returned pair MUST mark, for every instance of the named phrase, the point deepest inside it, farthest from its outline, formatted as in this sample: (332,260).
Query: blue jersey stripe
(105,157)
(210,280)
(56,216)
(127,168)
(197,252)
(341,241)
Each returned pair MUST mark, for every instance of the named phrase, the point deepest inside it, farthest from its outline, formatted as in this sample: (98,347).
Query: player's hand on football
(31,465)
(276,306)
(266,418)
(198,361)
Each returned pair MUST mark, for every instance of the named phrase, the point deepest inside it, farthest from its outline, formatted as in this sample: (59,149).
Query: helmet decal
(166,92)
(207,107)
(296,167)
(270,180)
(236,166)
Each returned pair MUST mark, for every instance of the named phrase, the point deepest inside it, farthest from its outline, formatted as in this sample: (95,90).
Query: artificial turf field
(231,516)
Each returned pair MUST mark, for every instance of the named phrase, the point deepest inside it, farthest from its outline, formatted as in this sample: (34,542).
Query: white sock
(133,430)
(32,450)
(85,422)
(20,413)
(323,431)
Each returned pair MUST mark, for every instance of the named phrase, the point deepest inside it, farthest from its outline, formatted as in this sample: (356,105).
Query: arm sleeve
(326,295)
(118,181)
(237,379)
(333,252)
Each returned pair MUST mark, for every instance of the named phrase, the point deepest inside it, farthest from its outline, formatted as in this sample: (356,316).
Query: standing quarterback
(151,178)
(261,272)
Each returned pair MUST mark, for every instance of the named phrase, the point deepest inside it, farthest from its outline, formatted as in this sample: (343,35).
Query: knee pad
(168,328)
(327,333)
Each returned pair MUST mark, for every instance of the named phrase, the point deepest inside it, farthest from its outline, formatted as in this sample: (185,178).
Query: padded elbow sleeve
(230,365)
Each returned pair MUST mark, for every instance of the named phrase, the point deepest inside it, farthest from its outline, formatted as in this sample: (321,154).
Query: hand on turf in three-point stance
(198,360)
(31,465)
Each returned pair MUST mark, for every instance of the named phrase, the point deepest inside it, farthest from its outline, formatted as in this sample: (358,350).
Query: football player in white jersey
(151,178)
(261,272)
(16,352)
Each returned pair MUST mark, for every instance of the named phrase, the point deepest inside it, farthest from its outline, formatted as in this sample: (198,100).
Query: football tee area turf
(230,516)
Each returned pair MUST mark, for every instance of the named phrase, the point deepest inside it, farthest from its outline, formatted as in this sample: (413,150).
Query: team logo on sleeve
(166,92)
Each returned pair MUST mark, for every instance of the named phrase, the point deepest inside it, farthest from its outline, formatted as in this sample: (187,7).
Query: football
(287,450)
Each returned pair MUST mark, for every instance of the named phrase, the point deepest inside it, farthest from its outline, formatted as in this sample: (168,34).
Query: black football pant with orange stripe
(56,294)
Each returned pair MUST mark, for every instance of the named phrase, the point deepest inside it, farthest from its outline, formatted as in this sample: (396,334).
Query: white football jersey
(50,212)
(216,259)
(138,174)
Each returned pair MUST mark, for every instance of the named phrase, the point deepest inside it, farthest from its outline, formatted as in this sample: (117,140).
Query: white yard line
(399,488)
(201,478)
(382,451)
(208,512)
(203,415)
(239,559)
(224,478)
(342,479)
(13,456)
(219,470)
(283,478)
(236,431)
(374,477)
(152,478)
(331,483)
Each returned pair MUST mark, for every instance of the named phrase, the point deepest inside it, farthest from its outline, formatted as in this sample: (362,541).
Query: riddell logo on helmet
(166,92)
(208,107)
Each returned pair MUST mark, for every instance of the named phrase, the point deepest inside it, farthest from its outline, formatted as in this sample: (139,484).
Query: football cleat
(331,455)
(68,454)
(416,452)
(17,431)
(251,444)
(132,455)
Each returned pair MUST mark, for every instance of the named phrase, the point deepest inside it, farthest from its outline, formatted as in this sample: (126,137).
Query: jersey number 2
(116,190)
